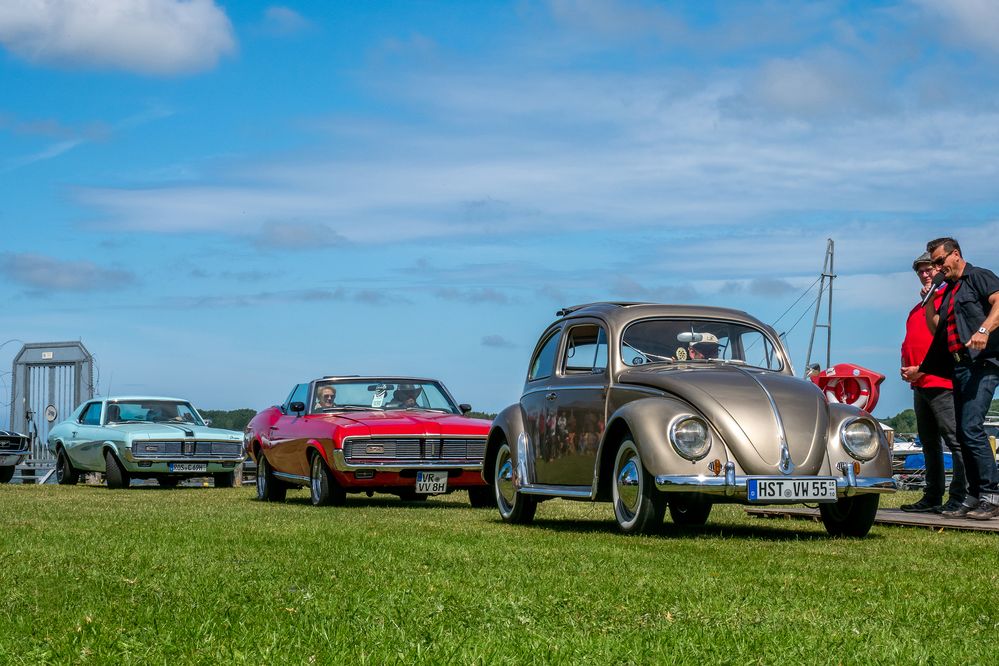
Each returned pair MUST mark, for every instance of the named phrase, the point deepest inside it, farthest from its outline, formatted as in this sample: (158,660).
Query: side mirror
(297,407)
(208,422)
(465,408)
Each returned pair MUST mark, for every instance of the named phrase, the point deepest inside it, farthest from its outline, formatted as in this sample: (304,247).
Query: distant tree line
(233,419)
(905,421)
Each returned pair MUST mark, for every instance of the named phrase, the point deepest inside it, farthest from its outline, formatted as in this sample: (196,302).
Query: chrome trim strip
(294,477)
(575,492)
(786,466)
(340,464)
(162,457)
(636,387)
(539,389)
(735,485)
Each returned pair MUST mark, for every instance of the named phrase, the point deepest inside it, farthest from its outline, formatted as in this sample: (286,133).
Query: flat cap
(924,258)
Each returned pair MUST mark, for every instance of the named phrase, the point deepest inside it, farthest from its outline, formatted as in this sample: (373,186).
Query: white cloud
(283,21)
(161,37)
(973,23)
(42,274)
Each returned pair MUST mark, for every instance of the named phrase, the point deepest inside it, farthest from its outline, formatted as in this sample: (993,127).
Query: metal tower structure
(825,290)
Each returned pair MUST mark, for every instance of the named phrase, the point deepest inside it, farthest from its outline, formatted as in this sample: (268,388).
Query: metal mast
(827,274)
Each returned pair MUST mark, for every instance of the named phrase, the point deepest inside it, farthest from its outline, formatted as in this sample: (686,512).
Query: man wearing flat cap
(933,402)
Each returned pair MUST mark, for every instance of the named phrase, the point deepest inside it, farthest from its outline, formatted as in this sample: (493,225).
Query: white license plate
(791,490)
(188,467)
(431,483)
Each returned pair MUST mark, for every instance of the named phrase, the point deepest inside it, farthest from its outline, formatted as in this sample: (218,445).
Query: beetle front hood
(747,407)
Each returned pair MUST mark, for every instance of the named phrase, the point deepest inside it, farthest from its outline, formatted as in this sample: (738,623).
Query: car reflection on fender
(655,407)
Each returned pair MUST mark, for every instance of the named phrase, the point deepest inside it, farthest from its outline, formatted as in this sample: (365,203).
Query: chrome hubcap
(504,480)
(629,482)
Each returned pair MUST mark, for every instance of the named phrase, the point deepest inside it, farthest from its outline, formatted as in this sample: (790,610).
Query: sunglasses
(939,261)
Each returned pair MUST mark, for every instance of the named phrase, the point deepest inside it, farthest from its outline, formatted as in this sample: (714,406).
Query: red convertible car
(340,435)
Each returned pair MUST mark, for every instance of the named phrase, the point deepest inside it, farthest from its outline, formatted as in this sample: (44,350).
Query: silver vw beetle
(681,407)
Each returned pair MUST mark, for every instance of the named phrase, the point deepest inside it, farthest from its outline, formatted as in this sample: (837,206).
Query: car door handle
(551,396)
(74,433)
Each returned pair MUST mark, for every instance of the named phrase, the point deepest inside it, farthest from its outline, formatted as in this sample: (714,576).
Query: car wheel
(514,507)
(638,505)
(850,516)
(6,474)
(224,479)
(480,497)
(689,510)
(117,476)
(168,481)
(65,474)
(269,489)
(325,490)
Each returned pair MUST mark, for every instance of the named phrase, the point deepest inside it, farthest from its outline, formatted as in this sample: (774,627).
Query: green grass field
(202,575)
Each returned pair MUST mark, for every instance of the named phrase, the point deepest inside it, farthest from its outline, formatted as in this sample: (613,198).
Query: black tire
(323,488)
(850,516)
(224,479)
(168,481)
(269,489)
(481,497)
(689,510)
(638,505)
(7,473)
(66,475)
(117,476)
(514,507)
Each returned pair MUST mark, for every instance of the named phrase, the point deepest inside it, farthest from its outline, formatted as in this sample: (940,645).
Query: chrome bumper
(10,458)
(170,458)
(731,485)
(340,464)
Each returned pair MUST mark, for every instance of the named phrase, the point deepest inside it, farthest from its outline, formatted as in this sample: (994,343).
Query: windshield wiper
(128,421)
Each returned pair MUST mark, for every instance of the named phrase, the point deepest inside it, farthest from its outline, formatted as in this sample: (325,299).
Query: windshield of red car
(381,394)
(694,340)
(151,411)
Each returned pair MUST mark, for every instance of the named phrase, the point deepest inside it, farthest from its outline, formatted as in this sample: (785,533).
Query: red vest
(917,343)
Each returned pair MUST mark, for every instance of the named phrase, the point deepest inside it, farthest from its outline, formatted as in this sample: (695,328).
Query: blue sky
(222,199)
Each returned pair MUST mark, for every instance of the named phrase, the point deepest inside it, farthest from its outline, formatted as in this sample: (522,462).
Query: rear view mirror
(297,407)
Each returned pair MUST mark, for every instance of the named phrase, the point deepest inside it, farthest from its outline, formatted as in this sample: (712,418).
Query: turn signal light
(715,466)
(856,467)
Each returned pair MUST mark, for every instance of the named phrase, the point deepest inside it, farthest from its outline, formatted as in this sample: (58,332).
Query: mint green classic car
(143,438)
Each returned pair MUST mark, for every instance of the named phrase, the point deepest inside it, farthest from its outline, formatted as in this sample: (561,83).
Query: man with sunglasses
(933,402)
(964,349)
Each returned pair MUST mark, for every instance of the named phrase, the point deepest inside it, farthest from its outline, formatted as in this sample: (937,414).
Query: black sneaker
(959,512)
(986,511)
(951,505)
(922,506)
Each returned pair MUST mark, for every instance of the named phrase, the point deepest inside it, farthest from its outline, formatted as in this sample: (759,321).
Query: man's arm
(978,340)
(932,316)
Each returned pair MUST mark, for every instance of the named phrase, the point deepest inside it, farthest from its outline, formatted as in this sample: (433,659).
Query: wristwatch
(983,330)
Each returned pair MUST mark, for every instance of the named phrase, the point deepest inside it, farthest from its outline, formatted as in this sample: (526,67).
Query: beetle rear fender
(647,421)
(506,427)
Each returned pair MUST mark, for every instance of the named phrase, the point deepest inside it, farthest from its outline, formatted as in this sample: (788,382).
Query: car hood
(412,422)
(148,431)
(747,407)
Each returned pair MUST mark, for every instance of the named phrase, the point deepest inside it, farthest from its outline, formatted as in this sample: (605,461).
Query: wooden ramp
(896,517)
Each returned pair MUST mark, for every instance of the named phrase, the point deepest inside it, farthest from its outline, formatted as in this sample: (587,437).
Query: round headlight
(690,437)
(860,439)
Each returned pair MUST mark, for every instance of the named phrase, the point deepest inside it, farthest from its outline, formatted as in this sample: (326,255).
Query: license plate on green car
(188,467)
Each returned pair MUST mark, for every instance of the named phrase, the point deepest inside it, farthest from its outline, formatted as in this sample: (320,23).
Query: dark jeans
(974,386)
(936,426)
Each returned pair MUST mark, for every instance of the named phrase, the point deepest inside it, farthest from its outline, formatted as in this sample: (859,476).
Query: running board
(574,492)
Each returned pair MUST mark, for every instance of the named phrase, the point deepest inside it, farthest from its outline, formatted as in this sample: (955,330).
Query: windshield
(152,411)
(382,394)
(696,340)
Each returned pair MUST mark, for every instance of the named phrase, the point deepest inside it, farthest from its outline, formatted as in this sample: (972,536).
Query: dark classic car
(14,449)
(658,406)
(397,435)
(143,438)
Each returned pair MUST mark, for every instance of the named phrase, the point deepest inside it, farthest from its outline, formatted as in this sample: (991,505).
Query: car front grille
(410,449)
(187,449)
(12,441)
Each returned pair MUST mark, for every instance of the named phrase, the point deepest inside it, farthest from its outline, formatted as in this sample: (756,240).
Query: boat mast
(824,290)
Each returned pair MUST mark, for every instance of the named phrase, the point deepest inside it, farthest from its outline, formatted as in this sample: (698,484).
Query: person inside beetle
(325,396)
(706,346)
